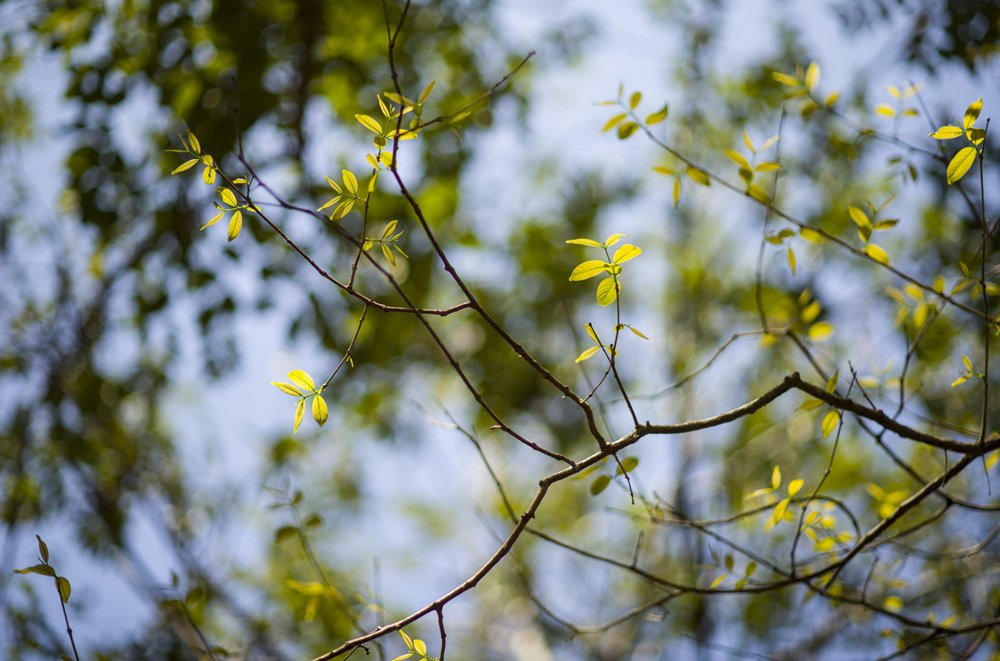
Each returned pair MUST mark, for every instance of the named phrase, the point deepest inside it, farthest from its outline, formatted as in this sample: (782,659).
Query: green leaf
(972,113)
(369,123)
(625,253)
(585,242)
(390,227)
(588,269)
(599,484)
(829,423)
(319,410)
(235,224)
(627,129)
(227,196)
(43,550)
(420,647)
(44,570)
(612,240)
(342,209)
(960,164)
(718,581)
(302,379)
(287,388)
(65,589)
(627,466)
(751,569)
(587,354)
(634,100)
(285,532)
(613,121)
(877,253)
(790,255)
(185,166)
(300,412)
(607,292)
(947,132)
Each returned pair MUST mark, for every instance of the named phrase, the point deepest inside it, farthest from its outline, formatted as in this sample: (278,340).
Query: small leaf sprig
(303,387)
(63,587)
(609,287)
(232,205)
(416,648)
(192,147)
(966,156)
(387,241)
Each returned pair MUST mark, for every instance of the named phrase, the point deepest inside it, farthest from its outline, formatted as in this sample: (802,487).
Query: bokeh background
(139,435)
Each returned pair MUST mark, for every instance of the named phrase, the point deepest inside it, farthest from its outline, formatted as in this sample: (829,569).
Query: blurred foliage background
(123,329)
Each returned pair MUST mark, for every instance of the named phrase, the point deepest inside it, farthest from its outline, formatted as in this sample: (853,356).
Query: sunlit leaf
(830,421)
(587,354)
(350,182)
(948,132)
(185,166)
(287,388)
(972,113)
(776,477)
(228,197)
(235,224)
(625,253)
(607,292)
(320,411)
(820,331)
(658,116)
(300,412)
(613,121)
(960,164)
(588,269)
(877,253)
(369,123)
(302,379)
(812,76)
(585,242)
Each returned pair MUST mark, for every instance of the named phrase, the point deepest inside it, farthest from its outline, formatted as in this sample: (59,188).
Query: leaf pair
(346,195)
(303,387)
(388,242)
(966,156)
(607,289)
(45,569)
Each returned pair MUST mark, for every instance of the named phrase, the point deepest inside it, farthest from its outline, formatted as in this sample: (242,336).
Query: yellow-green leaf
(302,379)
(208,175)
(893,603)
(859,217)
(588,269)
(300,412)
(193,141)
(677,191)
(235,224)
(426,93)
(812,76)
(186,165)
(768,166)
(636,332)
(319,410)
(830,421)
(613,239)
(287,388)
(967,362)
(613,122)
(607,292)
(585,242)
(627,129)
(820,331)
(947,132)
(776,477)
(350,182)
(369,123)
(795,486)
(228,197)
(698,177)
(960,164)
(877,253)
(586,354)
(658,116)
(420,647)
(718,581)
(599,484)
(972,113)
(592,333)
(811,235)
(214,220)
(785,79)
(883,109)
(62,584)
(625,253)
(634,100)
(791,260)
(737,158)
